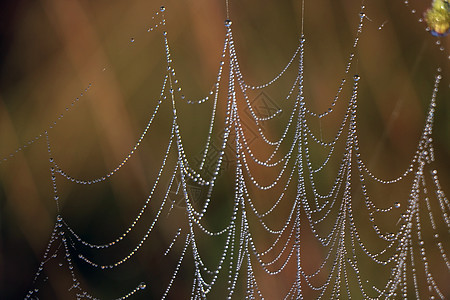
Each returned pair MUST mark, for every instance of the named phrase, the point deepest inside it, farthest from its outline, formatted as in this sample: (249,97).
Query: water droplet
(142,285)
(397,204)
(162,8)
(132,40)
(356,77)
(228,22)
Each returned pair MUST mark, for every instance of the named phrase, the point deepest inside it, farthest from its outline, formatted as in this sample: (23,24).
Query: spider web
(273,196)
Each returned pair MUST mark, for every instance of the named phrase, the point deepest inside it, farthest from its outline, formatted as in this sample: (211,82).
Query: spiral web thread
(328,214)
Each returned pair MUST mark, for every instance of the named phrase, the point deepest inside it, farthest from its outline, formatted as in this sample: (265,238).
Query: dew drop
(142,285)
(228,22)
(356,77)
(397,204)
(162,8)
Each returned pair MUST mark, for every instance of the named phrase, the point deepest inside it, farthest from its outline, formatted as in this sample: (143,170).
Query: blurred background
(53,51)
